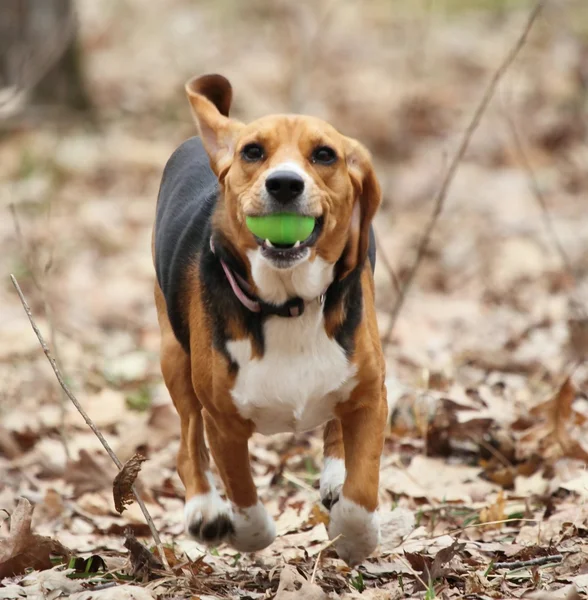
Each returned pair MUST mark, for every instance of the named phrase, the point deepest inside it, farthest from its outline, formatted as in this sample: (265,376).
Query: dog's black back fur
(187,198)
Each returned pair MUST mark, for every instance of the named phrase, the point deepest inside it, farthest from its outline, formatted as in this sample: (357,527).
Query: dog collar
(293,308)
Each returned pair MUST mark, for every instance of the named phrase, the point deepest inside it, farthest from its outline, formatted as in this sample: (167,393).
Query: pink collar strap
(242,290)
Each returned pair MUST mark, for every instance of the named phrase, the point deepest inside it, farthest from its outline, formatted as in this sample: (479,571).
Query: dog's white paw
(253,528)
(332,479)
(359,530)
(208,518)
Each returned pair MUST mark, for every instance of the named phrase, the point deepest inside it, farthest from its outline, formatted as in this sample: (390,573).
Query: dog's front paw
(332,479)
(254,529)
(359,530)
(208,518)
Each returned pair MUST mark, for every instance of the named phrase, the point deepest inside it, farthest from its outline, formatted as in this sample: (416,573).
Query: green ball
(282,228)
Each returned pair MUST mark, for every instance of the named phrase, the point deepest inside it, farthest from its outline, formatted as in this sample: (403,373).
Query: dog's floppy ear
(210,98)
(367,200)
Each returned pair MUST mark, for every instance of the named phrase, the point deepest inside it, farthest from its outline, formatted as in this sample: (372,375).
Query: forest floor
(484,484)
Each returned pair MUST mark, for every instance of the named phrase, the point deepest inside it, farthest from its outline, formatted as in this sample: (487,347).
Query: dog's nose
(284,186)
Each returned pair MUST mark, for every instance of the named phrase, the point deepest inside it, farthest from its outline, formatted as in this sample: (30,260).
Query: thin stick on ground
(454,164)
(411,570)
(87,418)
(519,564)
(318,556)
(292,478)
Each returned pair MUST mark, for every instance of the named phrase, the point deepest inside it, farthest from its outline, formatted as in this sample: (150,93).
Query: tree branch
(453,166)
(87,418)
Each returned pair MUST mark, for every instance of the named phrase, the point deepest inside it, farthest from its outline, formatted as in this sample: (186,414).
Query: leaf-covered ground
(483,480)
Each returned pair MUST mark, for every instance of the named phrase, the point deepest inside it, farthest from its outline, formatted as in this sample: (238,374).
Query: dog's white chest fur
(301,376)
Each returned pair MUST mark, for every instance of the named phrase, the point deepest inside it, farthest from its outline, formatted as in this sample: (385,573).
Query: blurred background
(91,107)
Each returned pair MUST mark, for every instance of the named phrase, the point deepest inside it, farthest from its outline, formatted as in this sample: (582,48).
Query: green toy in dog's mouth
(283,237)
(283,229)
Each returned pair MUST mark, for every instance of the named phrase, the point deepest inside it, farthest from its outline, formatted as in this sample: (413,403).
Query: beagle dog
(265,337)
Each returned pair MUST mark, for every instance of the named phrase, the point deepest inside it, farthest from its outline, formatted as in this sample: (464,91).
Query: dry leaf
(494,512)
(552,438)
(317,516)
(119,592)
(23,549)
(433,568)
(569,592)
(395,526)
(435,479)
(122,487)
(49,584)
(95,505)
(293,586)
(143,563)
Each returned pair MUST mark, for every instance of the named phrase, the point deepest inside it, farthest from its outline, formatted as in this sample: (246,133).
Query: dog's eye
(252,152)
(324,155)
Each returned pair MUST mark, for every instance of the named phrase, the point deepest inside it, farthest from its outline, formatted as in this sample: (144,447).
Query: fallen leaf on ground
(568,592)
(431,569)
(293,586)
(119,592)
(435,479)
(49,584)
(317,516)
(23,549)
(395,526)
(552,438)
(122,487)
(494,512)
(143,563)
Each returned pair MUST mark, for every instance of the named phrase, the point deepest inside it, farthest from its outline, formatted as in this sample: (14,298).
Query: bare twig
(87,418)
(453,166)
(489,448)
(288,476)
(412,571)
(518,564)
(318,556)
